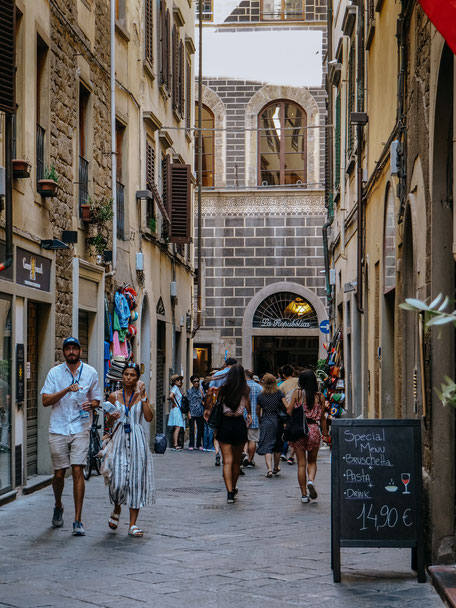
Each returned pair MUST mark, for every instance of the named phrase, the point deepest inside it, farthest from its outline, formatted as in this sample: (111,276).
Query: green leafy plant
(152,224)
(51,173)
(98,243)
(101,212)
(436,315)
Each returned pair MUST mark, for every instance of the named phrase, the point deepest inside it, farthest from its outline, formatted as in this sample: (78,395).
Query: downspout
(200,161)
(329,185)
(9,193)
(359,154)
(113,141)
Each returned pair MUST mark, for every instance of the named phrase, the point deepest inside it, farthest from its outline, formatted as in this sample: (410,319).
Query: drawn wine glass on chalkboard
(405,478)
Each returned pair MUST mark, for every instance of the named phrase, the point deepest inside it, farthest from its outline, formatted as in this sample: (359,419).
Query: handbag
(185,405)
(161,443)
(215,417)
(106,454)
(296,427)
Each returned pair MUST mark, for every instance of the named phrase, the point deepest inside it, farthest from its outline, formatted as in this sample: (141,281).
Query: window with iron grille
(40,135)
(120,205)
(84,97)
(337,143)
(41,106)
(351,98)
(148,41)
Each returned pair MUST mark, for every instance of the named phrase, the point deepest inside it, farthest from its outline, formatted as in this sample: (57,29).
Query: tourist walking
(288,385)
(269,403)
(73,391)
(253,430)
(132,476)
(233,396)
(306,448)
(195,396)
(218,378)
(176,419)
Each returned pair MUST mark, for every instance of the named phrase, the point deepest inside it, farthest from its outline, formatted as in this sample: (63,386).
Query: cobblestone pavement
(266,551)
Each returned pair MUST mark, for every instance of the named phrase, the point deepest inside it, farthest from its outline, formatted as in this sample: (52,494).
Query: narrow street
(266,551)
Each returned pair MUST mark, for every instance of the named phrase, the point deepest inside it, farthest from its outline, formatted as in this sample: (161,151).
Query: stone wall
(68,43)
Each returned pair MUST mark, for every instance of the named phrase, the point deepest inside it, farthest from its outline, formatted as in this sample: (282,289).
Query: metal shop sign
(33,270)
(287,323)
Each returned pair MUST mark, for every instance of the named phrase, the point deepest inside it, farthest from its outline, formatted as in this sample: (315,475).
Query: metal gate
(32,388)
(160,379)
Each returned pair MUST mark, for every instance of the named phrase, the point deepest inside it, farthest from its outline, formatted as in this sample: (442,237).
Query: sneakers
(78,529)
(283,457)
(57,518)
(311,489)
(290,460)
(217,460)
(241,472)
(191,449)
(230,498)
(305,499)
(250,464)
(200,449)
(245,461)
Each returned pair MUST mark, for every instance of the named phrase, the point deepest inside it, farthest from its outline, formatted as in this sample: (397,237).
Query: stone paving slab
(266,551)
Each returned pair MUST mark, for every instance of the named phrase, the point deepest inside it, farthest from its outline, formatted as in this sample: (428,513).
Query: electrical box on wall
(395,150)
(173,289)
(332,276)
(140,261)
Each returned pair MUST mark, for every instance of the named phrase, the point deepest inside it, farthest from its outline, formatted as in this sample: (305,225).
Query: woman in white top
(176,418)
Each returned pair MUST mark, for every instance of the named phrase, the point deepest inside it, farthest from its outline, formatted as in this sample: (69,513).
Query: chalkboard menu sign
(377,487)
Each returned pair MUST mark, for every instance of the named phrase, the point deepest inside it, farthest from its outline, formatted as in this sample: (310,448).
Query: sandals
(276,471)
(269,474)
(113,520)
(135,531)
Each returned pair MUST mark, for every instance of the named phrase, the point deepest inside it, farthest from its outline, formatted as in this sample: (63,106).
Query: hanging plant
(47,186)
(97,244)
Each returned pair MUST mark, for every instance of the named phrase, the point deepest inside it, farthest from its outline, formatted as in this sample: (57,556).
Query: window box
(85,212)
(21,169)
(47,188)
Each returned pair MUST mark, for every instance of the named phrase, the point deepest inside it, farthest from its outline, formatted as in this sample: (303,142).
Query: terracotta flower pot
(47,187)
(21,168)
(85,213)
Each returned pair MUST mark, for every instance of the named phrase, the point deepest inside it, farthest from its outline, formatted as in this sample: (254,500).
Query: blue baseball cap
(70,341)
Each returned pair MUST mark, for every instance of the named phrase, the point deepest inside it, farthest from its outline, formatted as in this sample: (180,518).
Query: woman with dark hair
(269,404)
(232,432)
(132,476)
(306,448)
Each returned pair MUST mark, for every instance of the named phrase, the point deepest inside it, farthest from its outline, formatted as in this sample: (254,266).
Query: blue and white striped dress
(132,481)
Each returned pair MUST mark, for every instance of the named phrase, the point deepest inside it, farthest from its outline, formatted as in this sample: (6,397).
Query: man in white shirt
(72,390)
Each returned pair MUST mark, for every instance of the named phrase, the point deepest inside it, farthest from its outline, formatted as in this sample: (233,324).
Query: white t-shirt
(65,417)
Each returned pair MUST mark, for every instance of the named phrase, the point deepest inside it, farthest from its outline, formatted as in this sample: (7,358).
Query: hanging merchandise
(330,373)
(108,321)
(122,309)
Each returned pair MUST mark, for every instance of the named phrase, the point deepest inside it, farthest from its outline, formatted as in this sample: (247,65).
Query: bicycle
(93,461)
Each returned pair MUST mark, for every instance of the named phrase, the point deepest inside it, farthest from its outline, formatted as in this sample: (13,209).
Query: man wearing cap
(72,390)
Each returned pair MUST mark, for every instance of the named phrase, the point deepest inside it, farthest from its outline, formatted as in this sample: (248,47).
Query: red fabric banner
(442,13)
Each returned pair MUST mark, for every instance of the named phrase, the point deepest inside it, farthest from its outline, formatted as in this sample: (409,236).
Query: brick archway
(216,105)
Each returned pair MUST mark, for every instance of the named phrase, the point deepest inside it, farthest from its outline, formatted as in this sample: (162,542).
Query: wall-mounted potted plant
(21,168)
(84,210)
(97,244)
(47,186)
(152,224)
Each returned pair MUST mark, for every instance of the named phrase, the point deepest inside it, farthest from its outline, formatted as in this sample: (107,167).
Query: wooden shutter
(188,95)
(177,200)
(149,31)
(175,74)
(150,165)
(167,49)
(7,55)
(162,26)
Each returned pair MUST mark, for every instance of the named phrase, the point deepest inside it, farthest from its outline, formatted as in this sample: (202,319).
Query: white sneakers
(305,499)
(311,490)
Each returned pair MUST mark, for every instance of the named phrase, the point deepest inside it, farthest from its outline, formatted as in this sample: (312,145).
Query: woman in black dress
(232,432)
(269,402)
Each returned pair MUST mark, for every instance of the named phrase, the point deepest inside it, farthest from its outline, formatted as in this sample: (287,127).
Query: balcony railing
(120,193)
(40,133)
(83,182)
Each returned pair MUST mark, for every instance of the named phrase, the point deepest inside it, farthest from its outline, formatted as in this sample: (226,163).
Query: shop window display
(5,395)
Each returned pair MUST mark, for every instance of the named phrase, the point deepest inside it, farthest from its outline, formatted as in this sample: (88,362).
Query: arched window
(208,146)
(282,144)
(285,310)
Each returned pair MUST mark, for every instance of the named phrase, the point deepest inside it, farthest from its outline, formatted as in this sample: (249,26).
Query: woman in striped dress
(132,479)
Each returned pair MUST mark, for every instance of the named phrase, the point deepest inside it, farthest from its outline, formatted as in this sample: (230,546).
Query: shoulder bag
(296,427)
(106,454)
(215,417)
(281,411)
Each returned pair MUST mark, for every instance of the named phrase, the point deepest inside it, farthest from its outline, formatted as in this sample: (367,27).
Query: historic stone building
(391,235)
(113,219)
(263,180)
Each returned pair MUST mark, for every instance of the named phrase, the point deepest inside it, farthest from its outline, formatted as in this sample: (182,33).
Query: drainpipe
(9,193)
(200,160)
(359,136)
(113,141)
(329,186)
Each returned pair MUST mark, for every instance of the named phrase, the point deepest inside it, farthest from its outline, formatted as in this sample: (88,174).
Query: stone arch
(217,107)
(257,102)
(247,324)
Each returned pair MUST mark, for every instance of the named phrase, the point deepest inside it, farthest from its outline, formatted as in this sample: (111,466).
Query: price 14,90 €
(386,517)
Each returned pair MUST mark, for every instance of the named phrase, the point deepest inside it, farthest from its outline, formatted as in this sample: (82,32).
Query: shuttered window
(177,200)
(337,143)
(181,81)
(150,180)
(175,68)
(7,55)
(165,34)
(351,98)
(148,43)
(188,96)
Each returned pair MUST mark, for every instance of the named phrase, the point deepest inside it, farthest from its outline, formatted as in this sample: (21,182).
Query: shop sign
(286,323)
(33,270)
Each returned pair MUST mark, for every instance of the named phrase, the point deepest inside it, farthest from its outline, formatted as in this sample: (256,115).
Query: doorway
(32,388)
(271,352)
(202,360)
